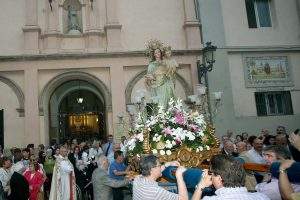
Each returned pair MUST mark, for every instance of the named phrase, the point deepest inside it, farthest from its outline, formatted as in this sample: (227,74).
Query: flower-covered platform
(174,133)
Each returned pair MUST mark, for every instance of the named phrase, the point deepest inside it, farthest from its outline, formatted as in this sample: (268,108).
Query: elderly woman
(35,178)
(5,173)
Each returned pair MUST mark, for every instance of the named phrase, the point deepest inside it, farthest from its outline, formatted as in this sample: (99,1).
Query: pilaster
(31,29)
(32,123)
(191,25)
(118,96)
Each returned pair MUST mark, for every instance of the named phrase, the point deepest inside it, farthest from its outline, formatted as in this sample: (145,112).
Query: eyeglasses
(158,165)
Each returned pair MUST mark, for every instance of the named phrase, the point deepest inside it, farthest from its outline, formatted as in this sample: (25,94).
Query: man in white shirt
(228,177)
(63,184)
(274,153)
(145,186)
(95,151)
(108,147)
(254,155)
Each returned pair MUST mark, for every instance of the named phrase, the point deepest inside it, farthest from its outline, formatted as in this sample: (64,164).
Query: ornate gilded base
(186,156)
(190,158)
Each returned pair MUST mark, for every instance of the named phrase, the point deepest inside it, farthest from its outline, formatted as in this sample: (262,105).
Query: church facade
(76,67)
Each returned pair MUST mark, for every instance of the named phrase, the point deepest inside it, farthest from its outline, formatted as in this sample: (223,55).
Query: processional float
(166,127)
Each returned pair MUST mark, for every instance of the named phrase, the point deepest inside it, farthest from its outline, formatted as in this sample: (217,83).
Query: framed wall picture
(267,71)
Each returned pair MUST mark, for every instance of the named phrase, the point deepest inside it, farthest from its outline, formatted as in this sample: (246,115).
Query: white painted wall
(285,29)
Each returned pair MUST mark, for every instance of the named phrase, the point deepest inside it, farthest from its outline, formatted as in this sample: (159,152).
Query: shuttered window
(258,13)
(273,103)
(251,14)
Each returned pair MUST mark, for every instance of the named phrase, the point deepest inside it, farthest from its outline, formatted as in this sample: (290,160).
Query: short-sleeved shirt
(237,193)
(146,189)
(121,167)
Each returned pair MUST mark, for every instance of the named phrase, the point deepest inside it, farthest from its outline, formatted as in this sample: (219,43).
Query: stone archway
(18,91)
(60,79)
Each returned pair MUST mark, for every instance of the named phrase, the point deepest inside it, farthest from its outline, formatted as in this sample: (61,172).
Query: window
(273,103)
(258,13)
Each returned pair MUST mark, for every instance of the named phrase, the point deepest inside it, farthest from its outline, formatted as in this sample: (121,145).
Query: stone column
(32,123)
(113,27)
(118,96)
(191,25)
(31,29)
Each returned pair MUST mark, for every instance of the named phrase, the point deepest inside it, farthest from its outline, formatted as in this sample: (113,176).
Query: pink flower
(179,119)
(194,127)
(178,141)
(167,131)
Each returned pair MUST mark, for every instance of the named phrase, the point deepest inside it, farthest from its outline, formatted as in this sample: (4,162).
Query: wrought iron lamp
(207,62)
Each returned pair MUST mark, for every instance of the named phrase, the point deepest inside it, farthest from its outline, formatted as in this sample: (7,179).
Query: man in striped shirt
(145,186)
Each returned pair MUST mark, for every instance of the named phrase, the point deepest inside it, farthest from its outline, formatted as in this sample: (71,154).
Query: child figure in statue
(160,78)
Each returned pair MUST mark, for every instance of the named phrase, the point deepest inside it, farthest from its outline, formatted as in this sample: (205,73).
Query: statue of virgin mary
(160,78)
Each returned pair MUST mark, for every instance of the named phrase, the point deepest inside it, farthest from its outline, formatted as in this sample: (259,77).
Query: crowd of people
(98,170)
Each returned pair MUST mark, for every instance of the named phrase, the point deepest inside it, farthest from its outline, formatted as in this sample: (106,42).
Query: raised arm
(114,183)
(182,191)
(204,182)
(285,186)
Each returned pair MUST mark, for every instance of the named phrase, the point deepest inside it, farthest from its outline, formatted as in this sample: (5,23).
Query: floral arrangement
(169,129)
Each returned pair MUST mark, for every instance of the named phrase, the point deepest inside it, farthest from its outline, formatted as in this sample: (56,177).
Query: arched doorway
(77,111)
(48,107)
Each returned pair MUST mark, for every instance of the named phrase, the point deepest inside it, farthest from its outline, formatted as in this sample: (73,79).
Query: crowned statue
(160,78)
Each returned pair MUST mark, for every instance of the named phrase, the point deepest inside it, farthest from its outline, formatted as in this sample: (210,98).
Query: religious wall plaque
(267,71)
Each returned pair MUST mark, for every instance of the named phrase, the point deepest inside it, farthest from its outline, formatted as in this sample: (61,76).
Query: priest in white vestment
(63,186)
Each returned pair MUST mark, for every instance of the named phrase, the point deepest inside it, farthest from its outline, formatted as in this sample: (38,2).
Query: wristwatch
(282,170)
(201,187)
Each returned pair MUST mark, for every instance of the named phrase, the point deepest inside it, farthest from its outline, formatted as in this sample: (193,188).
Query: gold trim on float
(186,156)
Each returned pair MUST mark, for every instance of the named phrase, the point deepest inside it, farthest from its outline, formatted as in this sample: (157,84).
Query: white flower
(173,143)
(201,133)
(140,137)
(169,145)
(154,151)
(162,152)
(208,148)
(154,139)
(200,148)
(158,138)
(168,152)
(190,136)
(197,150)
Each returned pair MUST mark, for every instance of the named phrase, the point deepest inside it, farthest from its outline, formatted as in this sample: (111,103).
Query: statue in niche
(73,22)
